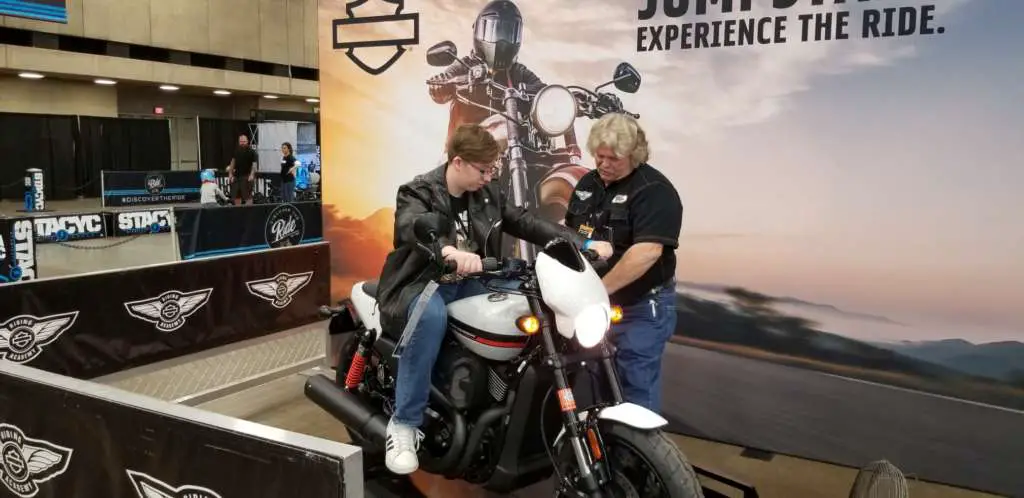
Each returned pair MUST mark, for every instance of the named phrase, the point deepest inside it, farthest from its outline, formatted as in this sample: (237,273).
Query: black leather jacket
(407,270)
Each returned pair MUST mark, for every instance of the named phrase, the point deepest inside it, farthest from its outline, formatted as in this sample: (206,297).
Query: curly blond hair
(622,134)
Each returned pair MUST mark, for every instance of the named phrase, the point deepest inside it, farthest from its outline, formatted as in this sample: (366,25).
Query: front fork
(584,438)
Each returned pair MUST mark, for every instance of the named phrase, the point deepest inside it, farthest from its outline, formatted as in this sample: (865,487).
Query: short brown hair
(473,143)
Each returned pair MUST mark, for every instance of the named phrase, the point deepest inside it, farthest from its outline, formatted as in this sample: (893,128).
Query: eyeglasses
(492,170)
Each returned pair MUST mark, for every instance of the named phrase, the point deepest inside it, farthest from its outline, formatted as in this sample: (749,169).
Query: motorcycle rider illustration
(497,39)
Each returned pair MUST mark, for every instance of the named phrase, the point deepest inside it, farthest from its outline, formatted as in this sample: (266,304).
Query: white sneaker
(402,444)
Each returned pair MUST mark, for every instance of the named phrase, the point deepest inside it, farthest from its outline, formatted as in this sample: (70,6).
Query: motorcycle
(543,161)
(507,353)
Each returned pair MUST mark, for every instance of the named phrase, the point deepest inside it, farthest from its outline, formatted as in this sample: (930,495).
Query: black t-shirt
(286,166)
(643,207)
(463,228)
(244,159)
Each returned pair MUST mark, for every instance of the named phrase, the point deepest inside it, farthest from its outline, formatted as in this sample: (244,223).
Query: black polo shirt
(642,207)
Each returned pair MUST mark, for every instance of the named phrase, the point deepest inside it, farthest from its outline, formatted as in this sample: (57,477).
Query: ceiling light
(169,88)
(270,96)
(222,92)
(31,76)
(105,82)
(313,101)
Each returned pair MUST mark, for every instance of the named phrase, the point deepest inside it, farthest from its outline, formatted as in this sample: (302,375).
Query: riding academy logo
(27,462)
(285,226)
(280,288)
(170,309)
(23,337)
(375,54)
(147,486)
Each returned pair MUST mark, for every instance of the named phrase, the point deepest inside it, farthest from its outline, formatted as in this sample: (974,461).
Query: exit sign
(158,110)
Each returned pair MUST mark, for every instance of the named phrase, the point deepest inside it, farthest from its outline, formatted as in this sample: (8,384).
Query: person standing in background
(289,165)
(242,171)
(626,202)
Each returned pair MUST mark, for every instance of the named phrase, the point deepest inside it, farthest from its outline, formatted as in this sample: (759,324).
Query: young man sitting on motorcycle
(635,207)
(463,192)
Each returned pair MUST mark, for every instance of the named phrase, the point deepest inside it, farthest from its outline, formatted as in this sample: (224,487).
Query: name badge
(586,231)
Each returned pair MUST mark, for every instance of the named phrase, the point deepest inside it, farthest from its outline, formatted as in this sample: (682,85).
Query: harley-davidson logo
(374,54)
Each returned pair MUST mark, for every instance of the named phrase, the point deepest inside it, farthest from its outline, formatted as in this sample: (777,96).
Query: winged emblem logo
(23,337)
(25,463)
(280,288)
(169,310)
(147,486)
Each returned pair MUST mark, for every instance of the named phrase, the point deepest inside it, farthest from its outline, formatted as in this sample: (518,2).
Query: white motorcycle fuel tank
(486,324)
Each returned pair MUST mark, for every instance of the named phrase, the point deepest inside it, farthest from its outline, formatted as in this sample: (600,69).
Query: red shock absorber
(356,369)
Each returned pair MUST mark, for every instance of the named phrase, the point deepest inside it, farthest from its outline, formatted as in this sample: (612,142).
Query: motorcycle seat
(370,288)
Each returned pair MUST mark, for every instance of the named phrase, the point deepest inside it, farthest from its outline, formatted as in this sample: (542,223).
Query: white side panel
(496,315)
(366,307)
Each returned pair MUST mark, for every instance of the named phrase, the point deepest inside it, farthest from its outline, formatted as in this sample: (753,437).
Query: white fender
(629,414)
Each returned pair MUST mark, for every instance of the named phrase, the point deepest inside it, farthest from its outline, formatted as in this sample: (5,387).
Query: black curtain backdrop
(71,151)
(39,141)
(218,139)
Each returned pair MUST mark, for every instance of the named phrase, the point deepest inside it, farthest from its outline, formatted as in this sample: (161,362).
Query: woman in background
(288,166)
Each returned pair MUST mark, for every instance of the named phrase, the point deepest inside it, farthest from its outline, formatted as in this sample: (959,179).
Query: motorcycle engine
(462,377)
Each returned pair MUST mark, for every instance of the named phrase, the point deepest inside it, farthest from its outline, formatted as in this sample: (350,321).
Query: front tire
(644,464)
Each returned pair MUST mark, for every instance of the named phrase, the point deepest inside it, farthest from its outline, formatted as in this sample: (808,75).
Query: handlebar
(510,267)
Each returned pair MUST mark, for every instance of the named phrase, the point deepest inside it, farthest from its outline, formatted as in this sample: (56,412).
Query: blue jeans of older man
(416,365)
(640,339)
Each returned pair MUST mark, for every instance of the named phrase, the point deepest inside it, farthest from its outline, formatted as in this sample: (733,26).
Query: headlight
(554,110)
(591,324)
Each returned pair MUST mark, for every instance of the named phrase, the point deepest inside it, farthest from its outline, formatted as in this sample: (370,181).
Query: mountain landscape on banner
(822,337)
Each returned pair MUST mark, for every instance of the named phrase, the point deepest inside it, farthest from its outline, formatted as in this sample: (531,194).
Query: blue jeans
(416,365)
(640,339)
(288,192)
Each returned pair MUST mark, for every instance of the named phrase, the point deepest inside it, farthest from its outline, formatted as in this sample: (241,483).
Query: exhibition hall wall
(850,268)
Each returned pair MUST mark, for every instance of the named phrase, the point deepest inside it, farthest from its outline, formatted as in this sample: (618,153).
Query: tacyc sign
(76,226)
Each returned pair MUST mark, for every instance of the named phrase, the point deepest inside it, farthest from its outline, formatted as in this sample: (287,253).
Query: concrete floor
(281,403)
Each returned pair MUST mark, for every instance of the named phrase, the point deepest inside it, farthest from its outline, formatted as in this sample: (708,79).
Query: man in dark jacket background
(463,192)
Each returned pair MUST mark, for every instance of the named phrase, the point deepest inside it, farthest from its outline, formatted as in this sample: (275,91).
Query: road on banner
(819,416)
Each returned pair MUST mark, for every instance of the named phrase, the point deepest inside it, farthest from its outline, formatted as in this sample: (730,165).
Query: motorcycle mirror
(428,226)
(442,54)
(627,78)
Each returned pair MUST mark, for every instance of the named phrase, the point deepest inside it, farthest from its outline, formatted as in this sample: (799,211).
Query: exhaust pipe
(348,409)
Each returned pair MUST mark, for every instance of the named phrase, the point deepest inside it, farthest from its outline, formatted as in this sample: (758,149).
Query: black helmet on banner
(498,34)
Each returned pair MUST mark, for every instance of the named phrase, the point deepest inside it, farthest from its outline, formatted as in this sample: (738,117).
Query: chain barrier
(123,240)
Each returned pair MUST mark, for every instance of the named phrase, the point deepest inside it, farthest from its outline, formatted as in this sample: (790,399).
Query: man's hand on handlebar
(465,262)
(603,249)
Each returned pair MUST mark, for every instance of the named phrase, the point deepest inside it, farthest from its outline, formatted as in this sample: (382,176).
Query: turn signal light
(616,314)
(529,324)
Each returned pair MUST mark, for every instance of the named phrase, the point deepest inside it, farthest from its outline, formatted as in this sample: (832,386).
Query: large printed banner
(97,324)
(62,438)
(851,264)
